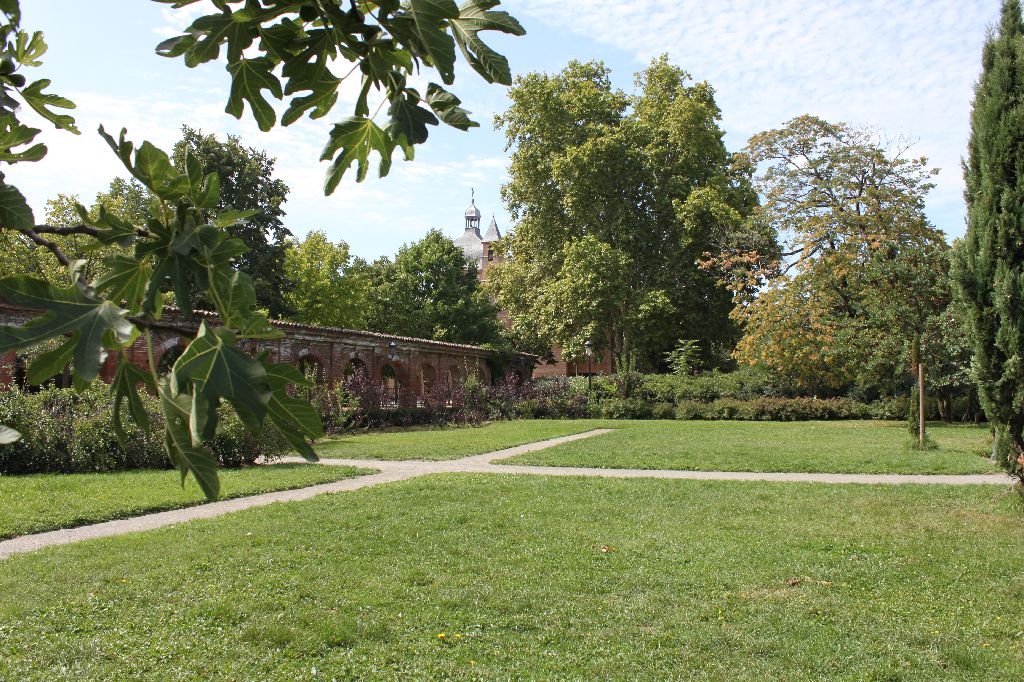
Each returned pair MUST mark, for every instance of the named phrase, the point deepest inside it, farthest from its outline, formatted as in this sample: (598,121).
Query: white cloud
(907,66)
(177,20)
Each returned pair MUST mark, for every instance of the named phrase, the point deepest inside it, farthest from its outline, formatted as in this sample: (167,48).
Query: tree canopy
(430,291)
(247,183)
(323,288)
(617,197)
(863,268)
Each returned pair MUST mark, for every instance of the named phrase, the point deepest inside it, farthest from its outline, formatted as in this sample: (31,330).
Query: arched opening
(389,384)
(311,368)
(20,372)
(19,376)
(354,367)
(168,358)
(454,377)
(427,378)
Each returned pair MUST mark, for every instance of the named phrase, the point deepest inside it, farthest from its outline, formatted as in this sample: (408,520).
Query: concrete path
(391,471)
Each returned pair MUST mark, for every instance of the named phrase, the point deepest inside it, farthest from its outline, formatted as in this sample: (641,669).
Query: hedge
(66,431)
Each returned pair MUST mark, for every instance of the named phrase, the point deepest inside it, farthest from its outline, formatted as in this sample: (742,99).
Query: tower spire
(473,214)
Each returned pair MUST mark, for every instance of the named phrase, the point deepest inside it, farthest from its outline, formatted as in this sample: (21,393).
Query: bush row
(66,431)
(750,395)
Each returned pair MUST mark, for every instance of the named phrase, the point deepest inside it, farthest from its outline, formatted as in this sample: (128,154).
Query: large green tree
(323,288)
(990,268)
(430,291)
(247,183)
(183,245)
(863,268)
(617,198)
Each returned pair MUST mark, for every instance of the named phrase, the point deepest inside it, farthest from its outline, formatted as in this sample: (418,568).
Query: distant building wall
(326,350)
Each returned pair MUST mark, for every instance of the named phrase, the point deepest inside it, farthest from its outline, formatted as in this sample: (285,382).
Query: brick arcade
(328,353)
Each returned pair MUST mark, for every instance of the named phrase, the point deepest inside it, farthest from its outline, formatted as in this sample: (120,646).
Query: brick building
(398,362)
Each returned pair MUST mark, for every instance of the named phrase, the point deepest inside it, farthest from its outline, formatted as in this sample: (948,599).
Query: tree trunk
(945,399)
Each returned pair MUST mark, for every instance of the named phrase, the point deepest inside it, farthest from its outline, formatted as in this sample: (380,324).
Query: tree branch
(83,229)
(47,244)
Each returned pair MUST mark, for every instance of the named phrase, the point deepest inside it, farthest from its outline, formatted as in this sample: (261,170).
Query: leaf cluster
(183,247)
(307,49)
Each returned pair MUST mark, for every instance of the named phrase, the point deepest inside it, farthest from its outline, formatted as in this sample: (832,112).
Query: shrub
(70,432)
(66,431)
(625,408)
(664,410)
(235,445)
(775,409)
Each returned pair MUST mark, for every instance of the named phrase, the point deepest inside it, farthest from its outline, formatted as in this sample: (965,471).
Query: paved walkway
(391,471)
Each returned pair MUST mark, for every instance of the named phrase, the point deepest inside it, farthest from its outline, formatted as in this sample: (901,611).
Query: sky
(903,67)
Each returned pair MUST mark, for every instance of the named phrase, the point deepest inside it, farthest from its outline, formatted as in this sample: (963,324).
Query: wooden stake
(920,403)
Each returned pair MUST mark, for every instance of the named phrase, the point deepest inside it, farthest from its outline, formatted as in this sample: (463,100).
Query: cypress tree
(990,264)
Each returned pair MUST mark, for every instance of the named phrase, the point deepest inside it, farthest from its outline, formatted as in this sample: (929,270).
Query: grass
(451,443)
(830,447)
(32,504)
(540,578)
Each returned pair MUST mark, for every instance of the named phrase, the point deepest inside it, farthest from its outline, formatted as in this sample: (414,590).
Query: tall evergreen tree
(990,267)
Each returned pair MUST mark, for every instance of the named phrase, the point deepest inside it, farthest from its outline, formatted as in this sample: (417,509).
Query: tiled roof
(284,324)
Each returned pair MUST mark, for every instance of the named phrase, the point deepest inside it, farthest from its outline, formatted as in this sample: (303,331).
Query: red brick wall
(330,350)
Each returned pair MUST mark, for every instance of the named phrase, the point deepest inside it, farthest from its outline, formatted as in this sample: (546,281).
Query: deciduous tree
(322,286)
(247,183)
(860,275)
(429,291)
(617,197)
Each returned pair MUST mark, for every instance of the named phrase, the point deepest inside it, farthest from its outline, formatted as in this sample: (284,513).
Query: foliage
(429,291)
(246,184)
(184,244)
(69,431)
(863,270)
(990,268)
(314,47)
(684,358)
(617,197)
(20,255)
(322,288)
(778,409)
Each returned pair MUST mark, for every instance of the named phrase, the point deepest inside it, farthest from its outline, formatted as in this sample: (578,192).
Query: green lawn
(451,443)
(540,578)
(840,447)
(32,504)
